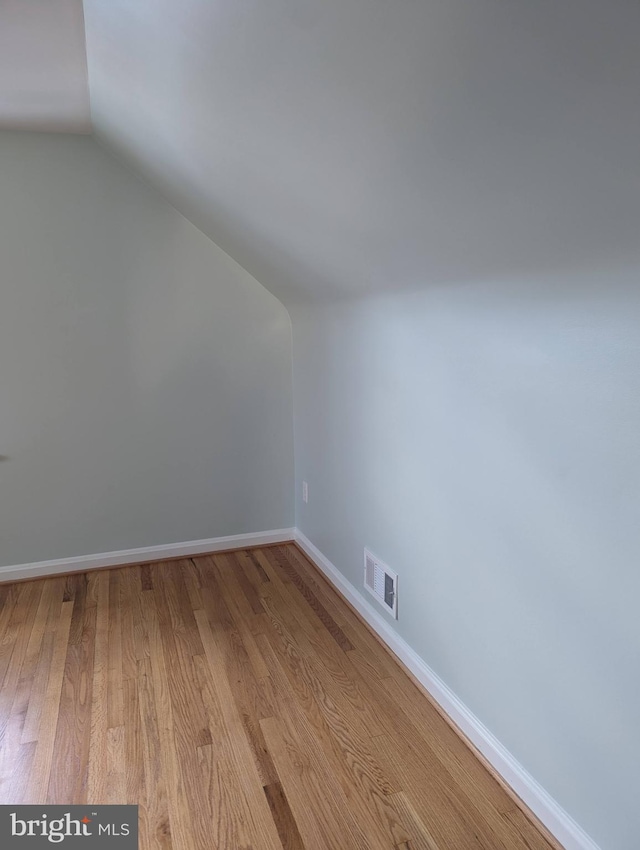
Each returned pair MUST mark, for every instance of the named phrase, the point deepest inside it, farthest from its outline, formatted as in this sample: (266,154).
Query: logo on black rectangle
(37,827)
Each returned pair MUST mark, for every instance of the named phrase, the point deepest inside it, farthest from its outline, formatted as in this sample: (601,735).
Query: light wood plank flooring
(240,702)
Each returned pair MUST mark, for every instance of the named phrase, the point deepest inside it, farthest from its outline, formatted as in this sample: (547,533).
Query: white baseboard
(553,816)
(143,555)
(557,821)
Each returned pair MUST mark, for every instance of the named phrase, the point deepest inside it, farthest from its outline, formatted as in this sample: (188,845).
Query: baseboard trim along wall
(560,824)
(144,555)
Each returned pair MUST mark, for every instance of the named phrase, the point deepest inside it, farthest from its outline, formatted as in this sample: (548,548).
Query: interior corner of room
(354,276)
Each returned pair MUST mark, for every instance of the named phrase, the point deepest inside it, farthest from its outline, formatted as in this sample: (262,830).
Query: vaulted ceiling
(340,146)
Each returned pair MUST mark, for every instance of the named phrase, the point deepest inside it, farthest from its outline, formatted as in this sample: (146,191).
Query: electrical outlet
(305,492)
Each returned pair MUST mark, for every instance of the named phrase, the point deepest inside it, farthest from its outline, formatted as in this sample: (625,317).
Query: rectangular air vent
(381,582)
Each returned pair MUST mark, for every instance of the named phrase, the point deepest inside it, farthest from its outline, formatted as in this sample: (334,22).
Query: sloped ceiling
(43,68)
(334,146)
(340,146)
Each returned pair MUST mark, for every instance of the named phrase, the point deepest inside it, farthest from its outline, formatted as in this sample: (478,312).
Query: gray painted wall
(482,439)
(145,378)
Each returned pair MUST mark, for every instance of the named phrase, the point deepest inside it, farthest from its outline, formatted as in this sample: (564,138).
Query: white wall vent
(381,582)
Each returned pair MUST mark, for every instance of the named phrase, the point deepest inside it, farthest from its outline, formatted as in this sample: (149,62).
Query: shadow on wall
(482,440)
(146,378)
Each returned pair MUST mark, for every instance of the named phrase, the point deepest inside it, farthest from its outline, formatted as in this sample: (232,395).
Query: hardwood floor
(239,701)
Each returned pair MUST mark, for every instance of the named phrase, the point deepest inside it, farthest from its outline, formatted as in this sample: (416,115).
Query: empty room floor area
(239,701)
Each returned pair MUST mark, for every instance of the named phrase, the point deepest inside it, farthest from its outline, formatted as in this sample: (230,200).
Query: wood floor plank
(250,704)
(8,597)
(130,591)
(443,822)
(16,645)
(11,750)
(231,825)
(242,704)
(114,631)
(283,817)
(96,790)
(190,721)
(133,750)
(191,578)
(311,598)
(352,686)
(246,621)
(37,633)
(311,679)
(178,605)
(300,620)
(43,757)
(116,785)
(259,569)
(421,838)
(442,743)
(17,683)
(349,758)
(337,665)
(147,580)
(317,801)
(321,587)
(235,738)
(169,755)
(79,607)
(248,589)
(74,723)
(367,652)
(213,596)
(14,781)
(524,833)
(154,804)
(444,756)
(39,667)
(38,689)
(447,809)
